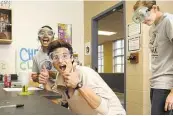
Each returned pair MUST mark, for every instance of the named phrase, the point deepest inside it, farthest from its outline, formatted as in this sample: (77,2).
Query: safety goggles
(42,33)
(56,57)
(141,14)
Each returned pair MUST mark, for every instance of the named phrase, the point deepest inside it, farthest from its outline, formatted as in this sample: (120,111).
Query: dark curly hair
(59,43)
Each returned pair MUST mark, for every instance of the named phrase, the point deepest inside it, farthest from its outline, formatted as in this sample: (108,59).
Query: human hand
(43,76)
(169,102)
(71,79)
(34,76)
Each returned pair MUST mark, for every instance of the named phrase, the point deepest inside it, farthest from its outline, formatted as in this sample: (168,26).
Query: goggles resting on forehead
(140,14)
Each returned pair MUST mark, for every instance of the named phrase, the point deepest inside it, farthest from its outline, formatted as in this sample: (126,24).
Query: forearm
(47,87)
(92,99)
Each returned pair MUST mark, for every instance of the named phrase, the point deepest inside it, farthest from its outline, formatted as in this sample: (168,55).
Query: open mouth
(62,67)
(45,41)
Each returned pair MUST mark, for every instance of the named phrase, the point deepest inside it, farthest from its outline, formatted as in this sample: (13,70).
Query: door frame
(94,40)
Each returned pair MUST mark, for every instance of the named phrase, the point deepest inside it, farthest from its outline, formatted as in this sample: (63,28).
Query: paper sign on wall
(134,43)
(3,67)
(24,58)
(134,29)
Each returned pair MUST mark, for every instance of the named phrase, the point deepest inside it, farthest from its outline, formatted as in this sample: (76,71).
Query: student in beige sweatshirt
(81,87)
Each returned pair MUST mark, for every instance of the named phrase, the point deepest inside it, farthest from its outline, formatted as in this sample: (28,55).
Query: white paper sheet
(134,43)
(20,89)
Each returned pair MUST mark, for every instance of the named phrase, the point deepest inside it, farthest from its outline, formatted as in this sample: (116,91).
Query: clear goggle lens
(140,14)
(57,57)
(42,33)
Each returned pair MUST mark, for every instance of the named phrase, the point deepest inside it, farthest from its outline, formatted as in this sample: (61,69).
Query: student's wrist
(79,85)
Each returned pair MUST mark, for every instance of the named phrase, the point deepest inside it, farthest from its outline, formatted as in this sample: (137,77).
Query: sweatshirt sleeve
(169,29)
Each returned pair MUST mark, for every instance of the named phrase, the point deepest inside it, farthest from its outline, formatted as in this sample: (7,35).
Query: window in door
(118,56)
(100,59)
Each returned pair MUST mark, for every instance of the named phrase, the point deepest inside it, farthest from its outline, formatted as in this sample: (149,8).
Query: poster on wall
(87,48)
(24,58)
(65,32)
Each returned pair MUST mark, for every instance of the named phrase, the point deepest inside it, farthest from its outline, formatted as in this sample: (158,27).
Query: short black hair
(59,43)
(47,26)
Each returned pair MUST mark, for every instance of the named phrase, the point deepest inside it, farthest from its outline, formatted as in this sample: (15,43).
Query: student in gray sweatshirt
(161,46)
(45,36)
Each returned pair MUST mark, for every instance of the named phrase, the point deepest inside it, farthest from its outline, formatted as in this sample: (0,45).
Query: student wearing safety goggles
(161,46)
(41,59)
(82,89)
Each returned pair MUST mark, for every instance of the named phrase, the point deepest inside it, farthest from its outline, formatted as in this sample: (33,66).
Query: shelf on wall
(5,26)
(5,41)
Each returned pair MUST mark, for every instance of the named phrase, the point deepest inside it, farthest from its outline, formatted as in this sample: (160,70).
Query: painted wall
(91,9)
(28,17)
(108,60)
(137,93)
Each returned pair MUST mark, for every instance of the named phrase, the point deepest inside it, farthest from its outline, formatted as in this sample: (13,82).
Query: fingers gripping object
(140,14)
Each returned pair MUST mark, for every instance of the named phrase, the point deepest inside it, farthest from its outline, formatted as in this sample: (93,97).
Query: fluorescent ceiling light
(107,33)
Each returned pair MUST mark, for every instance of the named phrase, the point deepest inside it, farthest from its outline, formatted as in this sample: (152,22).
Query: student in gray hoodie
(161,46)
